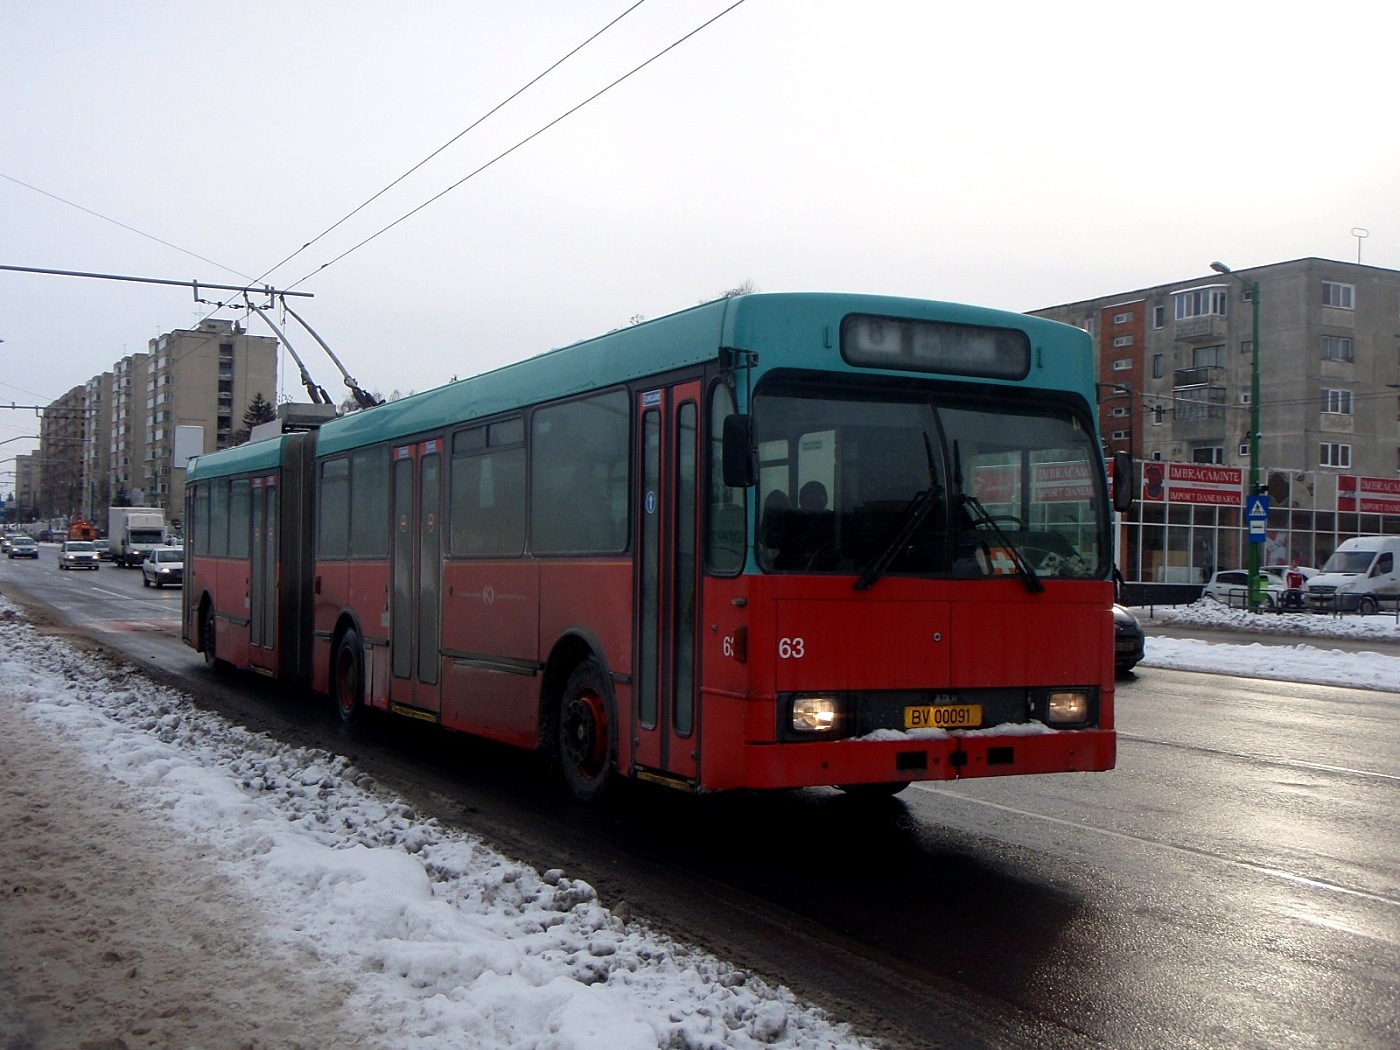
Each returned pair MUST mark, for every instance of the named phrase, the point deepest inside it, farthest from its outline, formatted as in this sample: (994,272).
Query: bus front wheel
(586,732)
(348,679)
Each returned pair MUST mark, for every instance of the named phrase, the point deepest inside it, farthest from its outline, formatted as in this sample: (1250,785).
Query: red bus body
(699,668)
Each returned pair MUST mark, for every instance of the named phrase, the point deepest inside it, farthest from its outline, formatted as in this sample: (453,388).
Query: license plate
(943,716)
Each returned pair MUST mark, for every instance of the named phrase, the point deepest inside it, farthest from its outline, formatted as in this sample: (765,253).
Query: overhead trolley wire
(124,226)
(470,127)
(527,139)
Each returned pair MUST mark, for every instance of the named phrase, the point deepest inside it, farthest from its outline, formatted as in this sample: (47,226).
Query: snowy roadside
(172,880)
(1307,660)
(321,890)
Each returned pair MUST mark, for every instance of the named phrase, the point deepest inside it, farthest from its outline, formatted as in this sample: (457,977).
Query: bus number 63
(791,649)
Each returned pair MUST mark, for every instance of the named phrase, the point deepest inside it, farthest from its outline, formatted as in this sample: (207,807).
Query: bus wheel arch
(578,717)
(347,671)
(208,629)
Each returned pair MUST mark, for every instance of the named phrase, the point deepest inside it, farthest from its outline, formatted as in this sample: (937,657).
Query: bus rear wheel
(586,732)
(206,642)
(348,678)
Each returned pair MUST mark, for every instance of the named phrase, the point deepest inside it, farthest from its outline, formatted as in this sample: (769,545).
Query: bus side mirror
(1124,481)
(737,452)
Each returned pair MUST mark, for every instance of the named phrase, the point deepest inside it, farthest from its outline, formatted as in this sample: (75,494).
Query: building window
(1338,348)
(1208,356)
(1159,317)
(1244,450)
(1159,413)
(1122,340)
(1342,296)
(1122,364)
(1337,402)
(1201,302)
(1120,435)
(1159,366)
(1332,454)
(1246,346)
(1122,318)
(1120,411)
(1209,454)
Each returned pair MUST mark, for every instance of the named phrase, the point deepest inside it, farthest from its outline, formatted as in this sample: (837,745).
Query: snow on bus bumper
(888,756)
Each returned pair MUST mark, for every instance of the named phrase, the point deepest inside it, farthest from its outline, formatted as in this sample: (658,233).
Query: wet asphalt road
(1235,882)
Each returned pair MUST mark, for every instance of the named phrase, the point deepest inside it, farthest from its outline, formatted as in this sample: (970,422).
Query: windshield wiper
(979,516)
(912,518)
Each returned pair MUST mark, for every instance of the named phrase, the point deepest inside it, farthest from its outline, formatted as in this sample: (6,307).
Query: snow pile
(1216,616)
(1300,662)
(439,941)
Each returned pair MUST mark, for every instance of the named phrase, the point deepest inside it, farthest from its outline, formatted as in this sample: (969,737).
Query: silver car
(78,554)
(163,565)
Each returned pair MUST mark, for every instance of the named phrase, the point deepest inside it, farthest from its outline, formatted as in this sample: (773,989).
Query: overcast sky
(1016,155)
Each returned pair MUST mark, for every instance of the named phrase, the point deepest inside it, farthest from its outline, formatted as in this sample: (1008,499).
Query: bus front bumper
(952,757)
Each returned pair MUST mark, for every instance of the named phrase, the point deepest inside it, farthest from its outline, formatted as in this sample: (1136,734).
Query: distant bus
(774,541)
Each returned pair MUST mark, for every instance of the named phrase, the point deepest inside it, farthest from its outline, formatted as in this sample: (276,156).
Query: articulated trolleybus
(774,541)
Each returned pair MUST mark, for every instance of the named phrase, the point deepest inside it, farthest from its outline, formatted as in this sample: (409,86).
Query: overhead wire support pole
(196,285)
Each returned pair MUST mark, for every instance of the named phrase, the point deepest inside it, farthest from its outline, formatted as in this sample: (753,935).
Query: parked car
(21,546)
(78,554)
(163,565)
(1129,644)
(1231,586)
(104,549)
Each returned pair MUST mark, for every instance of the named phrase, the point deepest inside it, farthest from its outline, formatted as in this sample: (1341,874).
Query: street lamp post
(1255,583)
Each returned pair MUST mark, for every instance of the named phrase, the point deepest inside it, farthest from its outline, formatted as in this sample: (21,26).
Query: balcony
(1208,328)
(1202,375)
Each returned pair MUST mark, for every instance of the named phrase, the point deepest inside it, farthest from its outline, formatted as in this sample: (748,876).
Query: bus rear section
(247,590)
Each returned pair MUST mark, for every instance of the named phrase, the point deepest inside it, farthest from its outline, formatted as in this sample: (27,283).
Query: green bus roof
(793,330)
(785,329)
(241,459)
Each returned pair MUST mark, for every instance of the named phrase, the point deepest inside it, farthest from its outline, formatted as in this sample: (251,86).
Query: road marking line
(1190,851)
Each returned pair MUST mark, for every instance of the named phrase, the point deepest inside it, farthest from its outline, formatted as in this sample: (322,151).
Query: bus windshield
(908,482)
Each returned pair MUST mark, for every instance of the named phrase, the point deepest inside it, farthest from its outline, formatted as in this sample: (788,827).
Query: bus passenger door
(664,714)
(416,580)
(262,577)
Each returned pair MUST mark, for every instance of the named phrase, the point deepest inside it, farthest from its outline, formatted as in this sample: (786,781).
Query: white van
(1361,573)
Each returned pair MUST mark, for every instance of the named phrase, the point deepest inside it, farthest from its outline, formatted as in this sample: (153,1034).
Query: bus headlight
(1067,706)
(814,714)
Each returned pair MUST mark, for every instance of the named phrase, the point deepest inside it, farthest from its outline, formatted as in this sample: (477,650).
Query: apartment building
(1176,364)
(111,441)
(61,429)
(96,457)
(127,432)
(204,377)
